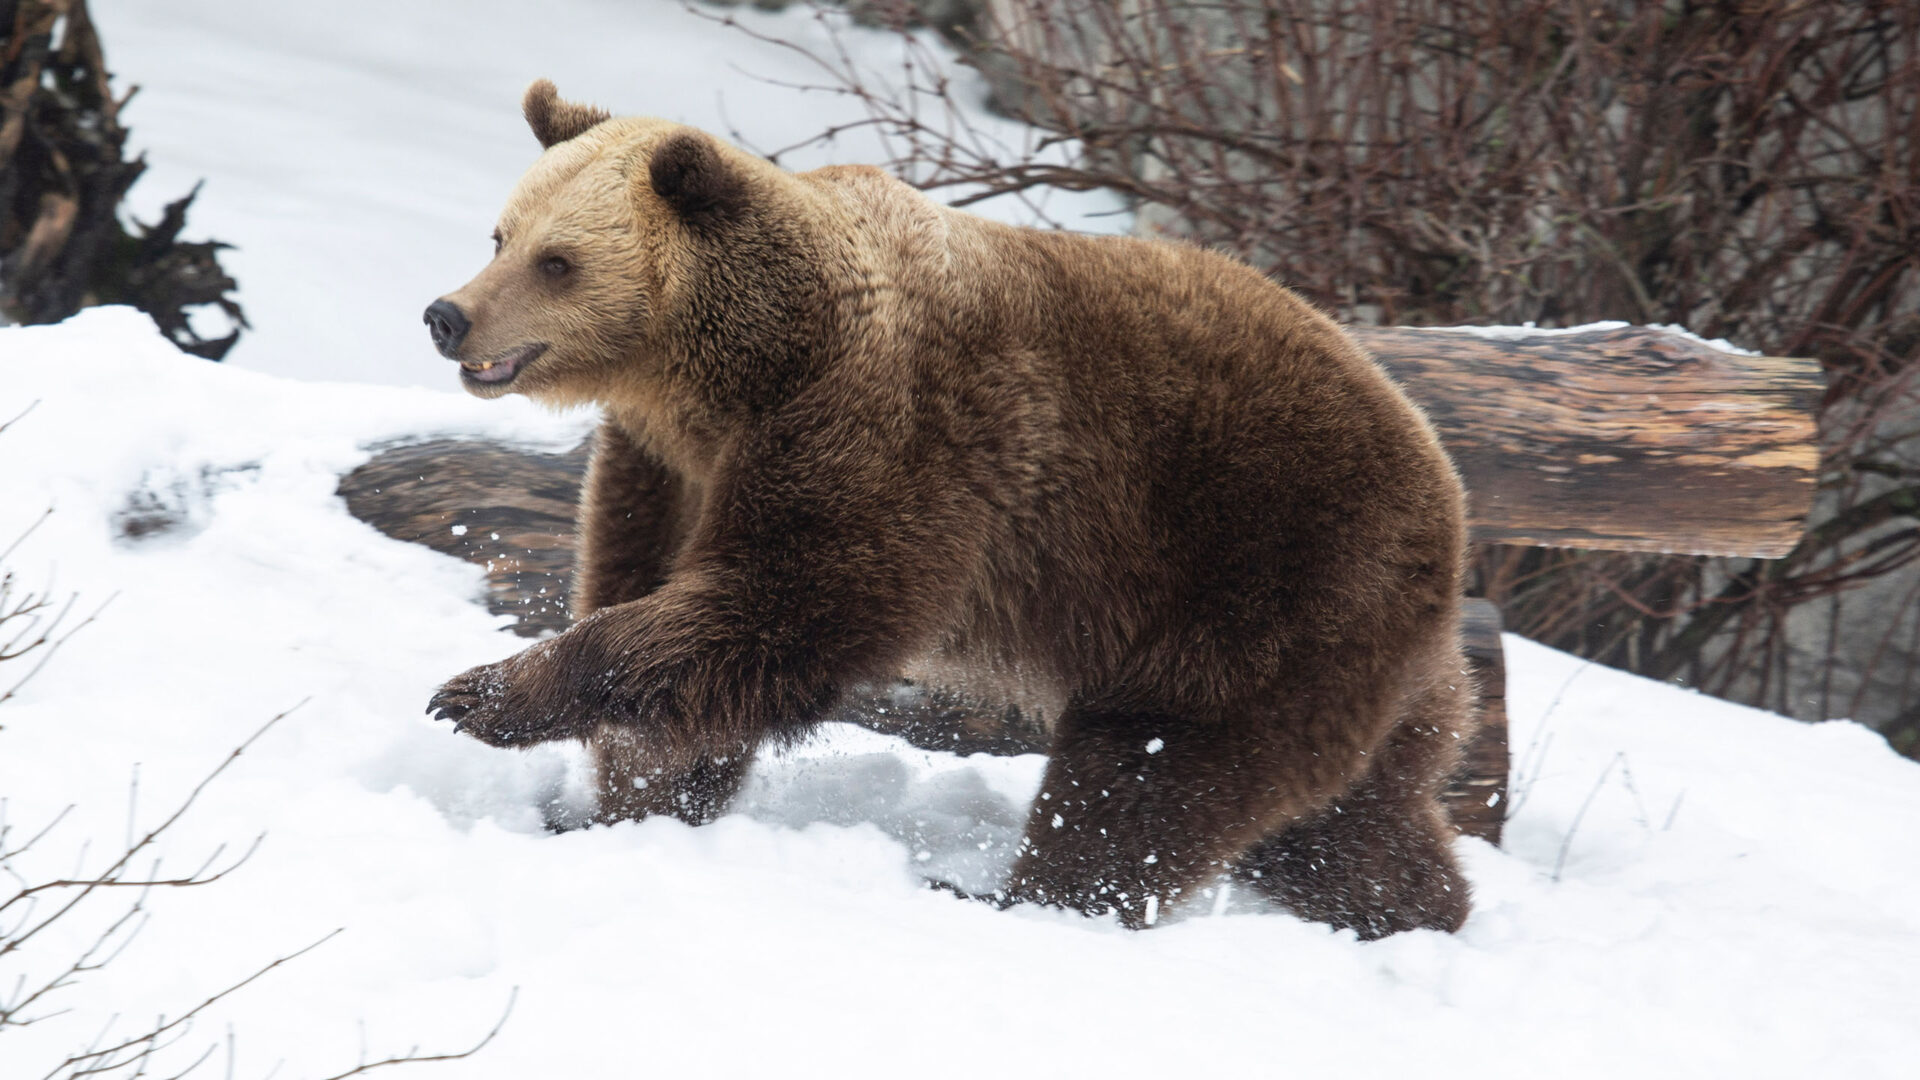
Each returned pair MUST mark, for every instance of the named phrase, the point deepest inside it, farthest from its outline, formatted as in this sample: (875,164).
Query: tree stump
(63,174)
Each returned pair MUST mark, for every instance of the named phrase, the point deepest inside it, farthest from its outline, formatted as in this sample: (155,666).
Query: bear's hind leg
(1139,808)
(1380,859)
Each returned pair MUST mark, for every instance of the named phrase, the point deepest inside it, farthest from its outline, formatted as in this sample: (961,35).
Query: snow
(1528,330)
(1734,896)
(1688,887)
(1713,343)
(358,174)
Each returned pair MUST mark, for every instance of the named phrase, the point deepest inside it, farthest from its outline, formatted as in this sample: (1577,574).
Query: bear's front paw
(499,704)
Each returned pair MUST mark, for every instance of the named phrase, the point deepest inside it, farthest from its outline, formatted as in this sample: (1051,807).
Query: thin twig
(1566,844)
(153,1034)
(414,1056)
(85,887)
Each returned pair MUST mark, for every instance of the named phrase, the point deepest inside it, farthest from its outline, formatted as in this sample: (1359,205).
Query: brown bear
(1156,499)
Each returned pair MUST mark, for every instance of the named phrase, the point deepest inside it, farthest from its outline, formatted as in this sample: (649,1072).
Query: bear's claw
(447,704)
(496,704)
(473,701)
(998,899)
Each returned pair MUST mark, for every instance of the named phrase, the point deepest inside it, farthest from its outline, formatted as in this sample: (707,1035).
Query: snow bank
(358,152)
(1735,895)
(1526,331)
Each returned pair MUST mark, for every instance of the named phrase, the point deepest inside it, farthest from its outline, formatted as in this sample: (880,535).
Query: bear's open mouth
(503,367)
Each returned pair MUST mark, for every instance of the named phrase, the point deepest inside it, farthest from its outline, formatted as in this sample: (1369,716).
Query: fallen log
(507,509)
(1624,439)
(1627,439)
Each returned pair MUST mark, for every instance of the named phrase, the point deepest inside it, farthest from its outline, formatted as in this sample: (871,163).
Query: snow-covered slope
(357,152)
(1736,895)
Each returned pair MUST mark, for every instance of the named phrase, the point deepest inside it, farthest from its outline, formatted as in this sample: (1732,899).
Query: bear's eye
(555,267)
(496,241)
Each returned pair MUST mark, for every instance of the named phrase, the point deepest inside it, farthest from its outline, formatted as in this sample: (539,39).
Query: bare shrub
(32,905)
(34,987)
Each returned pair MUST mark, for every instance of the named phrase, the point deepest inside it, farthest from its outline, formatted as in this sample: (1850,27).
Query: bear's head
(633,251)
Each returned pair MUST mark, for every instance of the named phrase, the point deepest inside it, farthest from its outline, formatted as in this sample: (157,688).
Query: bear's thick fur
(1151,496)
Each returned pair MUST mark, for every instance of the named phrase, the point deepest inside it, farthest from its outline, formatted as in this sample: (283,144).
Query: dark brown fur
(685,170)
(1159,500)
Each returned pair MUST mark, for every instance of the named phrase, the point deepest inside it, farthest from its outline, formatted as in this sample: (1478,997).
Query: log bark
(1477,797)
(507,509)
(1631,439)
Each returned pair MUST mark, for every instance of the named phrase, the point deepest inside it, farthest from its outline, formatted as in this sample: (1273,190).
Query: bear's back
(1197,432)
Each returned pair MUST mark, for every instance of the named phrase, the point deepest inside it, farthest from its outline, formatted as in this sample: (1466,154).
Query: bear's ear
(688,172)
(553,120)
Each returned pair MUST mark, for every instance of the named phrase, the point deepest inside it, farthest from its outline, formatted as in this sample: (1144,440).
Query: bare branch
(51,645)
(86,886)
(92,1061)
(414,1056)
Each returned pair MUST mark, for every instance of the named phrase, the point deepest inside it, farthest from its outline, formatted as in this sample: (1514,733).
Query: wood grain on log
(1632,439)
(507,509)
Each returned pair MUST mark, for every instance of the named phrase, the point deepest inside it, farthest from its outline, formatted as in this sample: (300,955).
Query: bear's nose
(449,325)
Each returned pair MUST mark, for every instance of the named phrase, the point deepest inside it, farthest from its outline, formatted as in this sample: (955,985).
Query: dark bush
(63,174)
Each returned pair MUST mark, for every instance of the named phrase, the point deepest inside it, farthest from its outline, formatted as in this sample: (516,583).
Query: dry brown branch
(115,872)
(48,639)
(138,1051)
(414,1056)
(23,917)
(28,620)
(29,624)
(21,415)
(134,1055)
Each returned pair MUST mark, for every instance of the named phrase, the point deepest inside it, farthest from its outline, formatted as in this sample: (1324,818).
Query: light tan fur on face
(589,200)
(575,203)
